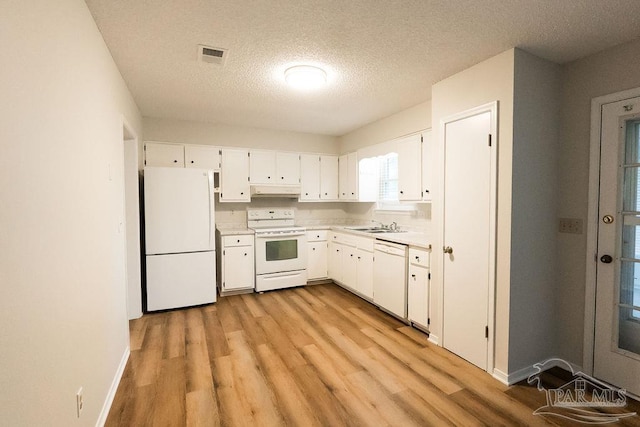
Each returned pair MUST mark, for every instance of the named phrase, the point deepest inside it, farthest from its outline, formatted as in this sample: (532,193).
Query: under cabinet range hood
(267,190)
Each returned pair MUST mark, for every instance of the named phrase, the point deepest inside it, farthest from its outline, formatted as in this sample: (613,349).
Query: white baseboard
(102,419)
(433,339)
(526,372)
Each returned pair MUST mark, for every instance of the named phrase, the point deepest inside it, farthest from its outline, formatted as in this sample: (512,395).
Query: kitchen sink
(374,230)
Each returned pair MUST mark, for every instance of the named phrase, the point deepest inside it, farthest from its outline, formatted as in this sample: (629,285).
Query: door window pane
(632,143)
(631,198)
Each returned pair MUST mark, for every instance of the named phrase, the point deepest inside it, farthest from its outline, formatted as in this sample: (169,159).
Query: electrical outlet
(570,225)
(79,401)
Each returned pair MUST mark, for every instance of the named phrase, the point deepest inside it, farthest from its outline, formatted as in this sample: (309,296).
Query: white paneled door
(617,326)
(468,198)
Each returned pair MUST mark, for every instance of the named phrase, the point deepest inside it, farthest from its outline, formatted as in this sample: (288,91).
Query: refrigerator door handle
(212,223)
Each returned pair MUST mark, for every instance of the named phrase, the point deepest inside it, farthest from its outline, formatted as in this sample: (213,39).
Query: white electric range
(281,248)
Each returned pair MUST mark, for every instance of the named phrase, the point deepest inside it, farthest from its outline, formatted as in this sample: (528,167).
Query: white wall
(486,82)
(62,293)
(405,122)
(607,72)
(186,132)
(533,324)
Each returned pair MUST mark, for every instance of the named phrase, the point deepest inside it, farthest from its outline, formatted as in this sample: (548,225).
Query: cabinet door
(329,177)
(163,155)
(427,168)
(350,268)
(202,157)
(409,168)
(343,177)
(335,261)
(418,294)
(317,260)
(365,273)
(262,168)
(237,272)
(310,177)
(234,176)
(352,176)
(288,168)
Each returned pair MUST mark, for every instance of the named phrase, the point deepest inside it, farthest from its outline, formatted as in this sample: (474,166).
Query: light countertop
(233,229)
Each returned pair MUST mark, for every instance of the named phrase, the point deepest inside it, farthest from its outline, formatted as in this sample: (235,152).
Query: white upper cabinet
(427,166)
(234,176)
(410,168)
(272,167)
(348,176)
(202,157)
(309,177)
(163,155)
(288,168)
(262,167)
(328,177)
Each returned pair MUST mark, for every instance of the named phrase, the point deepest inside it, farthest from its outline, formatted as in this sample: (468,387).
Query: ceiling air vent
(212,55)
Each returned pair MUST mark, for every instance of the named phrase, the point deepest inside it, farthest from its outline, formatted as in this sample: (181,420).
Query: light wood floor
(309,356)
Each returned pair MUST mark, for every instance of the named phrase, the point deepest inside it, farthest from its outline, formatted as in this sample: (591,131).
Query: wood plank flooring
(310,356)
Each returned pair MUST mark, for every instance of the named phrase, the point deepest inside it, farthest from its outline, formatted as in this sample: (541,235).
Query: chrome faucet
(393,226)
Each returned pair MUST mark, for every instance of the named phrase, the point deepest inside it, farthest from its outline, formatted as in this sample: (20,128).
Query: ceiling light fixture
(305,77)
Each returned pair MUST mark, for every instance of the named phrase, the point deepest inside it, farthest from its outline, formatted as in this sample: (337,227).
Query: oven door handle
(269,235)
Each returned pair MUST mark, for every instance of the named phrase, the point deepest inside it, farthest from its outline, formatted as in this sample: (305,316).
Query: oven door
(280,253)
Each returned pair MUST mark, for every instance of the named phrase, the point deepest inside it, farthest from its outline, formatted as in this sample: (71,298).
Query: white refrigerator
(179,237)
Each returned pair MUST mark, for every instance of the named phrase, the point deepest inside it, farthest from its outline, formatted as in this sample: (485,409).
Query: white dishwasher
(390,277)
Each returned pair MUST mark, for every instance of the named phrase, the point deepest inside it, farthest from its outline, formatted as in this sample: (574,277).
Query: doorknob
(606,259)
(447,250)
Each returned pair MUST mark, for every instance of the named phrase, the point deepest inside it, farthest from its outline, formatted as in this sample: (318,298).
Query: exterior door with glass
(617,325)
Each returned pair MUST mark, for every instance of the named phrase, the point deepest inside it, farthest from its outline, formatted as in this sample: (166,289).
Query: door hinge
(486,332)
(429,276)
(421,138)
(428,320)
(489,140)
(220,152)
(224,252)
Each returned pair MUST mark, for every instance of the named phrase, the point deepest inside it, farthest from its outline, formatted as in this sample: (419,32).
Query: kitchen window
(378,182)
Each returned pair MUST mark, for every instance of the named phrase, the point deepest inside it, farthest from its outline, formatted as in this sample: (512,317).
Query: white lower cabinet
(236,262)
(317,255)
(365,273)
(418,281)
(334,261)
(350,262)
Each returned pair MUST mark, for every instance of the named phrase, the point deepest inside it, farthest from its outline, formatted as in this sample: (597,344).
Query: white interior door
(617,326)
(467,236)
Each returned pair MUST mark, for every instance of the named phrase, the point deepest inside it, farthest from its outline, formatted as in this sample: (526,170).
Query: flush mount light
(305,77)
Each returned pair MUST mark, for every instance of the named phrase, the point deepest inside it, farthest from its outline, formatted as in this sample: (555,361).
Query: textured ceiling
(382,56)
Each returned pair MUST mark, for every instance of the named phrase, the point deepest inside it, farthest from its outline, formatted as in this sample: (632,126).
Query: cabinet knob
(282,177)
(268,177)
(426,191)
(352,255)
(242,193)
(191,161)
(238,240)
(175,161)
(306,194)
(401,192)
(313,249)
(413,275)
(318,236)
(417,258)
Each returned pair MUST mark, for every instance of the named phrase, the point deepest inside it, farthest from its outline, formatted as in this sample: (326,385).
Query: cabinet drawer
(317,235)
(365,243)
(239,240)
(419,257)
(343,238)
